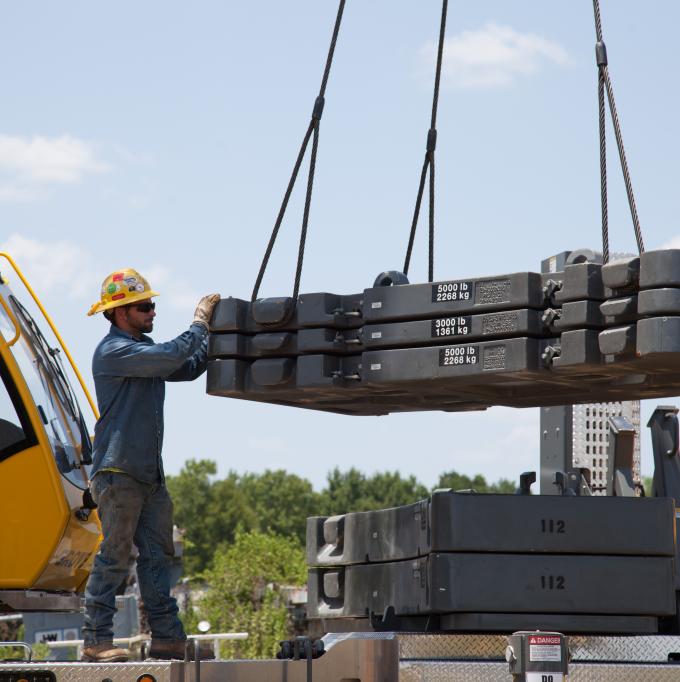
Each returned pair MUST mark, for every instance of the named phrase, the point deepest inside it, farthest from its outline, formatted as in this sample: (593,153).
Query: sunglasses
(143,307)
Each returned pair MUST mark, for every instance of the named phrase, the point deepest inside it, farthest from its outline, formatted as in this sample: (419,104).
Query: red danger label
(545,640)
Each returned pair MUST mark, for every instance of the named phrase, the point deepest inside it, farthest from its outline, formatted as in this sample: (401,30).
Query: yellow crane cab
(48,532)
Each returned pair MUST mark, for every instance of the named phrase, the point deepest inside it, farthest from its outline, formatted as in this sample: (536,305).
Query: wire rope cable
(313,134)
(605,86)
(428,163)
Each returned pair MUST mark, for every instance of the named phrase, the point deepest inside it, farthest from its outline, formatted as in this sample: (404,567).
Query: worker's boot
(105,652)
(175,649)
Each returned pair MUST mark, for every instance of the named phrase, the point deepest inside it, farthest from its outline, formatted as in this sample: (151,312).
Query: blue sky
(160,136)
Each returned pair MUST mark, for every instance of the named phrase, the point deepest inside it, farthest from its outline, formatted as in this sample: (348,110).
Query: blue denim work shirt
(129,378)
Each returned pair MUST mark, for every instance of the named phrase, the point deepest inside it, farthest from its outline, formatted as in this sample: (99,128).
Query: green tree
(210,512)
(456,481)
(281,502)
(244,593)
(352,491)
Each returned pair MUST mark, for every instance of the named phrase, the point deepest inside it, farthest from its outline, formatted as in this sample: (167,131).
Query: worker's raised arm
(193,367)
(127,357)
(123,355)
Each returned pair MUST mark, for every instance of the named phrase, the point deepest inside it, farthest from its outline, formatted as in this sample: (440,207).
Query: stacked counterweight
(468,562)
(590,333)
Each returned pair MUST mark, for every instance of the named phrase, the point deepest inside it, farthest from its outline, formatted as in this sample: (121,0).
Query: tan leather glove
(204,309)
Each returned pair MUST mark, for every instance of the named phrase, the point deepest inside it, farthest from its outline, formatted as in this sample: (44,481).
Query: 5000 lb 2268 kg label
(458,355)
(451,291)
(451,326)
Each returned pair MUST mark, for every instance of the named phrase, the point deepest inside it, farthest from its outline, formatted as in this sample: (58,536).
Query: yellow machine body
(48,538)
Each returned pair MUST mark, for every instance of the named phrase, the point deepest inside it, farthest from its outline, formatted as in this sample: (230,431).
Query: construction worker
(127,480)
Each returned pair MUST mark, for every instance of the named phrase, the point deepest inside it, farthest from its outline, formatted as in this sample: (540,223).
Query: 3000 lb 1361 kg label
(451,326)
(458,355)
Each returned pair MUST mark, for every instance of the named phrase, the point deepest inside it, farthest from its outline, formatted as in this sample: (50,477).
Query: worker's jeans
(130,510)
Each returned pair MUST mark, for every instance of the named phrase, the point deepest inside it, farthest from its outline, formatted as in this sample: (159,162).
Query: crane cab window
(57,406)
(16,433)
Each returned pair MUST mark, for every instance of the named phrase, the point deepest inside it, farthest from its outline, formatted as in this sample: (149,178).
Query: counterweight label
(458,355)
(451,291)
(451,326)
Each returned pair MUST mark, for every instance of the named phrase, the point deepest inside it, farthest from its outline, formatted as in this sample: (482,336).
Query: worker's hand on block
(205,308)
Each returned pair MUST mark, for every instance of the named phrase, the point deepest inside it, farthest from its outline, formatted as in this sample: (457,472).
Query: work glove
(204,309)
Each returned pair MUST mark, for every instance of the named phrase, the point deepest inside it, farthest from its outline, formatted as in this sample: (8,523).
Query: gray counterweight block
(622,273)
(617,375)
(579,315)
(578,352)
(234,378)
(227,346)
(336,372)
(659,338)
(226,378)
(454,328)
(422,301)
(284,343)
(284,314)
(325,383)
(660,269)
(551,524)
(272,344)
(463,522)
(581,281)
(655,302)
(620,310)
(459,363)
(364,537)
(236,315)
(329,310)
(231,377)
(325,340)
(496,583)
(619,341)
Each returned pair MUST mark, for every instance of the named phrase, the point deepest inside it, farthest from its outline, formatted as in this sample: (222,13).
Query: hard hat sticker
(121,287)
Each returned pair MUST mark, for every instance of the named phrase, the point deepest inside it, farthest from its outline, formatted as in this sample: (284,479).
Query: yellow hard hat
(120,288)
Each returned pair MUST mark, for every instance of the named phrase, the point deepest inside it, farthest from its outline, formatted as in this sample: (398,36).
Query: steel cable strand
(312,130)
(305,218)
(416,213)
(604,83)
(430,265)
(428,164)
(282,212)
(624,162)
(603,168)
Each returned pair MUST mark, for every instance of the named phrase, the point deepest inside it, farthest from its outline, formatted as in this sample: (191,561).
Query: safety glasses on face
(143,307)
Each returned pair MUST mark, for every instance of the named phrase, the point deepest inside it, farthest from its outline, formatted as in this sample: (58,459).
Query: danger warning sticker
(545,648)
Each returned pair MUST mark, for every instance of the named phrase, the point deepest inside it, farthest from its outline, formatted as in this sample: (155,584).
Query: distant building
(590,438)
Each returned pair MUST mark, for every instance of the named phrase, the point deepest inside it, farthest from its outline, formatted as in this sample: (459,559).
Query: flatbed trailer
(386,657)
